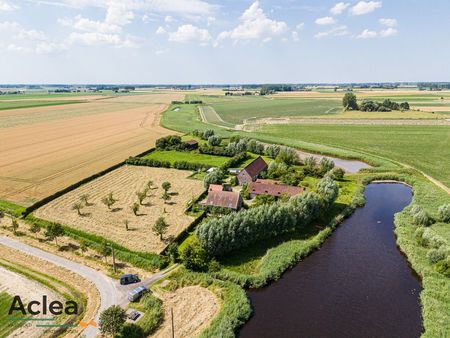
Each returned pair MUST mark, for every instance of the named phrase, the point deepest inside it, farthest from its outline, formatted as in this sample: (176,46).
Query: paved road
(107,287)
(111,292)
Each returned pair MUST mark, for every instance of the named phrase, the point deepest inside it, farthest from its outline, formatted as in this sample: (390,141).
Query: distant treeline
(350,102)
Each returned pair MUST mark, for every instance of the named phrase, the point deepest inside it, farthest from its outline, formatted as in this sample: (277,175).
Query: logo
(36,310)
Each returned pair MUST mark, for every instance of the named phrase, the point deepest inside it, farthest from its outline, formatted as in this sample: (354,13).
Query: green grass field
(235,109)
(7,326)
(424,147)
(31,104)
(191,156)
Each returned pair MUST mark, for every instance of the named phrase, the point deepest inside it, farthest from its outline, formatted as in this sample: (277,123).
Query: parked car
(136,293)
(129,279)
(133,315)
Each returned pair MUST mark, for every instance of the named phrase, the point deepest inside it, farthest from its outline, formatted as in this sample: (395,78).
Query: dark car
(129,279)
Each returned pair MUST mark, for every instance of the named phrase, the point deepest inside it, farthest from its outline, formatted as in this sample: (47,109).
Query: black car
(129,279)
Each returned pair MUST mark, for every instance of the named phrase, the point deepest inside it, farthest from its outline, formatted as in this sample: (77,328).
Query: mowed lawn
(6,326)
(235,109)
(188,156)
(424,147)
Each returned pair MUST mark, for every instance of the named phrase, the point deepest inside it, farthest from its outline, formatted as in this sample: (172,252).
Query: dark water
(357,285)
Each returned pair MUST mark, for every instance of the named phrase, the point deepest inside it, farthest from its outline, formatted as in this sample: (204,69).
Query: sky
(221,42)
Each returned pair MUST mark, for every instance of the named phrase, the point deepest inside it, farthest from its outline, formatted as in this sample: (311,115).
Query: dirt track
(40,158)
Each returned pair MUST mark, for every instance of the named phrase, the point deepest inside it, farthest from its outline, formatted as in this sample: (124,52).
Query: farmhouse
(215,187)
(251,172)
(224,199)
(191,144)
(268,187)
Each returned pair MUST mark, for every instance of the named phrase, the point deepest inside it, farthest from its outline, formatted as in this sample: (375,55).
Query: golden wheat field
(124,183)
(44,149)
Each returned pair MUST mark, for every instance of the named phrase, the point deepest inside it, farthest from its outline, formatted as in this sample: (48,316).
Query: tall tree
(54,231)
(350,102)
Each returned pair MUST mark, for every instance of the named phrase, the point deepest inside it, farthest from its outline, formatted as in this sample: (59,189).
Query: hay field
(124,183)
(43,150)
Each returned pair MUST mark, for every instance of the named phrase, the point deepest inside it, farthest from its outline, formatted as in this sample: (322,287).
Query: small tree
(112,320)
(208,133)
(141,195)
(195,257)
(337,174)
(328,189)
(105,251)
(172,252)
(126,223)
(85,199)
(2,214)
(149,185)
(109,200)
(326,165)
(14,226)
(444,213)
(214,177)
(54,231)
(135,208)
(77,206)
(165,197)
(35,228)
(166,186)
(160,227)
(349,101)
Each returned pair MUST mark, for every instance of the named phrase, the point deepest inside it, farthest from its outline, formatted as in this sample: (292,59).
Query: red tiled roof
(224,199)
(259,188)
(254,168)
(191,142)
(215,187)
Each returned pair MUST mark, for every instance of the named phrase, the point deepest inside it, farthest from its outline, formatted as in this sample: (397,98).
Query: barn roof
(255,167)
(268,188)
(191,142)
(224,199)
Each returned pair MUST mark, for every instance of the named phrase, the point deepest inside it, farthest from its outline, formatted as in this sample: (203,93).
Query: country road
(111,292)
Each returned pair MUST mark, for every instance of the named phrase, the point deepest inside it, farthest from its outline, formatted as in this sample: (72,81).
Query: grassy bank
(7,326)
(234,306)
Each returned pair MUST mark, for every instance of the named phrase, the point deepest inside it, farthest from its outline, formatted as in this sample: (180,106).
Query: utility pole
(173,330)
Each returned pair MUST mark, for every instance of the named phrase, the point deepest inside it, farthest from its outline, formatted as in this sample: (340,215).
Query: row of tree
(237,230)
(350,102)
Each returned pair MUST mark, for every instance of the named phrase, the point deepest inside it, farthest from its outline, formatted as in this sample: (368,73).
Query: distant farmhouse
(272,188)
(191,144)
(251,172)
(217,197)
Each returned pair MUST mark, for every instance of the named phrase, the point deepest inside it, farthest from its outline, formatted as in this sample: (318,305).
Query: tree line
(350,102)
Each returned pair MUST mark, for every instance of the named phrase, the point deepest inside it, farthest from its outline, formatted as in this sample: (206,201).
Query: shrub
(288,156)
(194,256)
(214,140)
(169,142)
(443,267)
(272,151)
(337,174)
(207,133)
(435,255)
(415,209)
(444,213)
(422,218)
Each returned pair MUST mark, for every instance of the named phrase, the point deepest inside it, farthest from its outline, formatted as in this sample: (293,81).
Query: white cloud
(255,25)
(388,22)
(388,32)
(168,19)
(210,20)
(161,30)
(190,33)
(6,6)
(295,36)
(336,31)
(87,25)
(367,34)
(20,39)
(300,26)
(364,7)
(327,20)
(161,51)
(339,8)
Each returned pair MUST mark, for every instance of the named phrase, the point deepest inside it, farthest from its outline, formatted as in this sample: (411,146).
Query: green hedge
(11,208)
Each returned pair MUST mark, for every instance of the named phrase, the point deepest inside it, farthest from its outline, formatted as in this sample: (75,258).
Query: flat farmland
(44,149)
(124,183)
